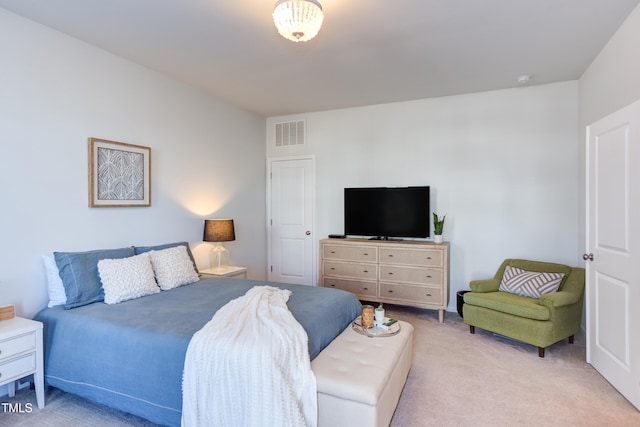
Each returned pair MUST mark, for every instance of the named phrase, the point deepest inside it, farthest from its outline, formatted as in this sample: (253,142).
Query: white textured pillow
(528,283)
(127,278)
(54,282)
(173,267)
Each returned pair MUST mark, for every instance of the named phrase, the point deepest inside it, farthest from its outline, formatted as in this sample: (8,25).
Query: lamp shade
(218,230)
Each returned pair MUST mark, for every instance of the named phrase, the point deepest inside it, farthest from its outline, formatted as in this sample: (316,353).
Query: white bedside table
(21,354)
(226,272)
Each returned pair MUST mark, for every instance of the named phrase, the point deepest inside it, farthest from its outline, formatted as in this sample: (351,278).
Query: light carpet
(457,379)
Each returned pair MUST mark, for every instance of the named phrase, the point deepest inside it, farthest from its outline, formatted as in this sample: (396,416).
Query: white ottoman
(360,379)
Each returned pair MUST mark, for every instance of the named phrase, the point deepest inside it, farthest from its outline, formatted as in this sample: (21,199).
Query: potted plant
(438,225)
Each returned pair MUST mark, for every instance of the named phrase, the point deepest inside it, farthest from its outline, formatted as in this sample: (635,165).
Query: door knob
(587,257)
(308,233)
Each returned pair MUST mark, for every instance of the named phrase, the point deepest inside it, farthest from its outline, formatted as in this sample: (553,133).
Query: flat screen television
(387,212)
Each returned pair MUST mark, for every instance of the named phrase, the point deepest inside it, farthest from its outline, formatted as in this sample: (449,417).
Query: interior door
(613,249)
(291,222)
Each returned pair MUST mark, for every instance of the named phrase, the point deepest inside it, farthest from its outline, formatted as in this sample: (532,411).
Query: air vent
(290,133)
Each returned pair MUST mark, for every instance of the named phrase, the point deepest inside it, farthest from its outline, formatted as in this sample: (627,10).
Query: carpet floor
(457,379)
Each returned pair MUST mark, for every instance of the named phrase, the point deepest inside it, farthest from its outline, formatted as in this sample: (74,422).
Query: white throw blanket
(249,366)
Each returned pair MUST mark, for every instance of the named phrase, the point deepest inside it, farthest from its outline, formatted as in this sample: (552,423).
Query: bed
(130,355)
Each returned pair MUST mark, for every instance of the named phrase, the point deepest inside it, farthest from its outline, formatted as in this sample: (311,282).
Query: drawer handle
(366,289)
(390,273)
(365,271)
(428,257)
(390,255)
(333,286)
(365,254)
(428,295)
(390,292)
(333,252)
(428,276)
(333,268)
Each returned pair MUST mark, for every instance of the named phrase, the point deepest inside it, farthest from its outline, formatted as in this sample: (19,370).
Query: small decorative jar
(379,314)
(367,316)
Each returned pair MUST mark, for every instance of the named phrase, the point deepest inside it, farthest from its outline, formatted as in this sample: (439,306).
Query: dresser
(411,272)
(21,354)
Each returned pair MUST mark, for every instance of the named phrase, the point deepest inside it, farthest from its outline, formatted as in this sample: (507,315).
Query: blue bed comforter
(130,356)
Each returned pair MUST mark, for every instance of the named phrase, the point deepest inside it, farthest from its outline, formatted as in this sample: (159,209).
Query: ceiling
(367,52)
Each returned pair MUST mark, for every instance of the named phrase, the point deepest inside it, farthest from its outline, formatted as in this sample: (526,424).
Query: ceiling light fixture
(298,20)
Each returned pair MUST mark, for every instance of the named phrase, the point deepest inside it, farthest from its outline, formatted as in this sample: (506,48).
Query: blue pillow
(79,274)
(142,249)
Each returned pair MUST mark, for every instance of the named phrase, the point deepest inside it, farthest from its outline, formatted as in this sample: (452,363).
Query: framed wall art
(119,174)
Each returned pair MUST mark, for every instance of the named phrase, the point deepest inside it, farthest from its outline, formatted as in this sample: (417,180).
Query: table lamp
(218,231)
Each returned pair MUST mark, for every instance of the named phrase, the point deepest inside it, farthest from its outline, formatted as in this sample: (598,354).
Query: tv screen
(387,212)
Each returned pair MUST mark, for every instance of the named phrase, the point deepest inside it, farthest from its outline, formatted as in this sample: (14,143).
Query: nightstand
(229,271)
(21,354)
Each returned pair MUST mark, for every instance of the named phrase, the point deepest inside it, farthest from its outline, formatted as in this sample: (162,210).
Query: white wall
(55,93)
(502,165)
(611,82)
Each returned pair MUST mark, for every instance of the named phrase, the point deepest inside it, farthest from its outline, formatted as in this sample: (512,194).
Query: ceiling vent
(290,133)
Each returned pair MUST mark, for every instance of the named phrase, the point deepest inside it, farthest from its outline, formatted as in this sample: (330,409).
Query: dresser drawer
(355,270)
(420,276)
(17,368)
(354,286)
(419,294)
(350,253)
(417,257)
(16,345)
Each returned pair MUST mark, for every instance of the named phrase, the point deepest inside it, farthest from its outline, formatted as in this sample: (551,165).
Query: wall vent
(290,133)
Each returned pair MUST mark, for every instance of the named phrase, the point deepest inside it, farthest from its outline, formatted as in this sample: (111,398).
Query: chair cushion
(508,303)
(528,283)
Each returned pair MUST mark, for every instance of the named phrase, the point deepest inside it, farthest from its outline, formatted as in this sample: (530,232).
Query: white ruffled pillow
(173,267)
(57,296)
(127,278)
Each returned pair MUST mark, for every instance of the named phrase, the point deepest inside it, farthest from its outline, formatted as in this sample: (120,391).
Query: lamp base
(219,257)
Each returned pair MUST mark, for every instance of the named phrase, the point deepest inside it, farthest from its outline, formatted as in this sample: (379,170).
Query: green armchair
(539,321)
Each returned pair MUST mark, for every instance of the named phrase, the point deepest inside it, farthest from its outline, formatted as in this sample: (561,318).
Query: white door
(291,221)
(613,249)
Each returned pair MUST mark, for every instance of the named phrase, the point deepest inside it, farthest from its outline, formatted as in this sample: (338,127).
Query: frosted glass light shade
(298,20)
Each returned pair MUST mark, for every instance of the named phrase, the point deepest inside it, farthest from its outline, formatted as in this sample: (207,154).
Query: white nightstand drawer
(16,345)
(17,368)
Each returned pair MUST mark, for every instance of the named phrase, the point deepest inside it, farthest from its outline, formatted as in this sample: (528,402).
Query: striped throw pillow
(528,283)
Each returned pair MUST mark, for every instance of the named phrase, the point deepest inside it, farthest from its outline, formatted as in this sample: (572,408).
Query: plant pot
(437,238)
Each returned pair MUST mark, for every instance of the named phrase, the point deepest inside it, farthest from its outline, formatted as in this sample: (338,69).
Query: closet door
(291,248)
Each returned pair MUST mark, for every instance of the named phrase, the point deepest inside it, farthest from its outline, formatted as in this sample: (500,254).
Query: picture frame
(119,174)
